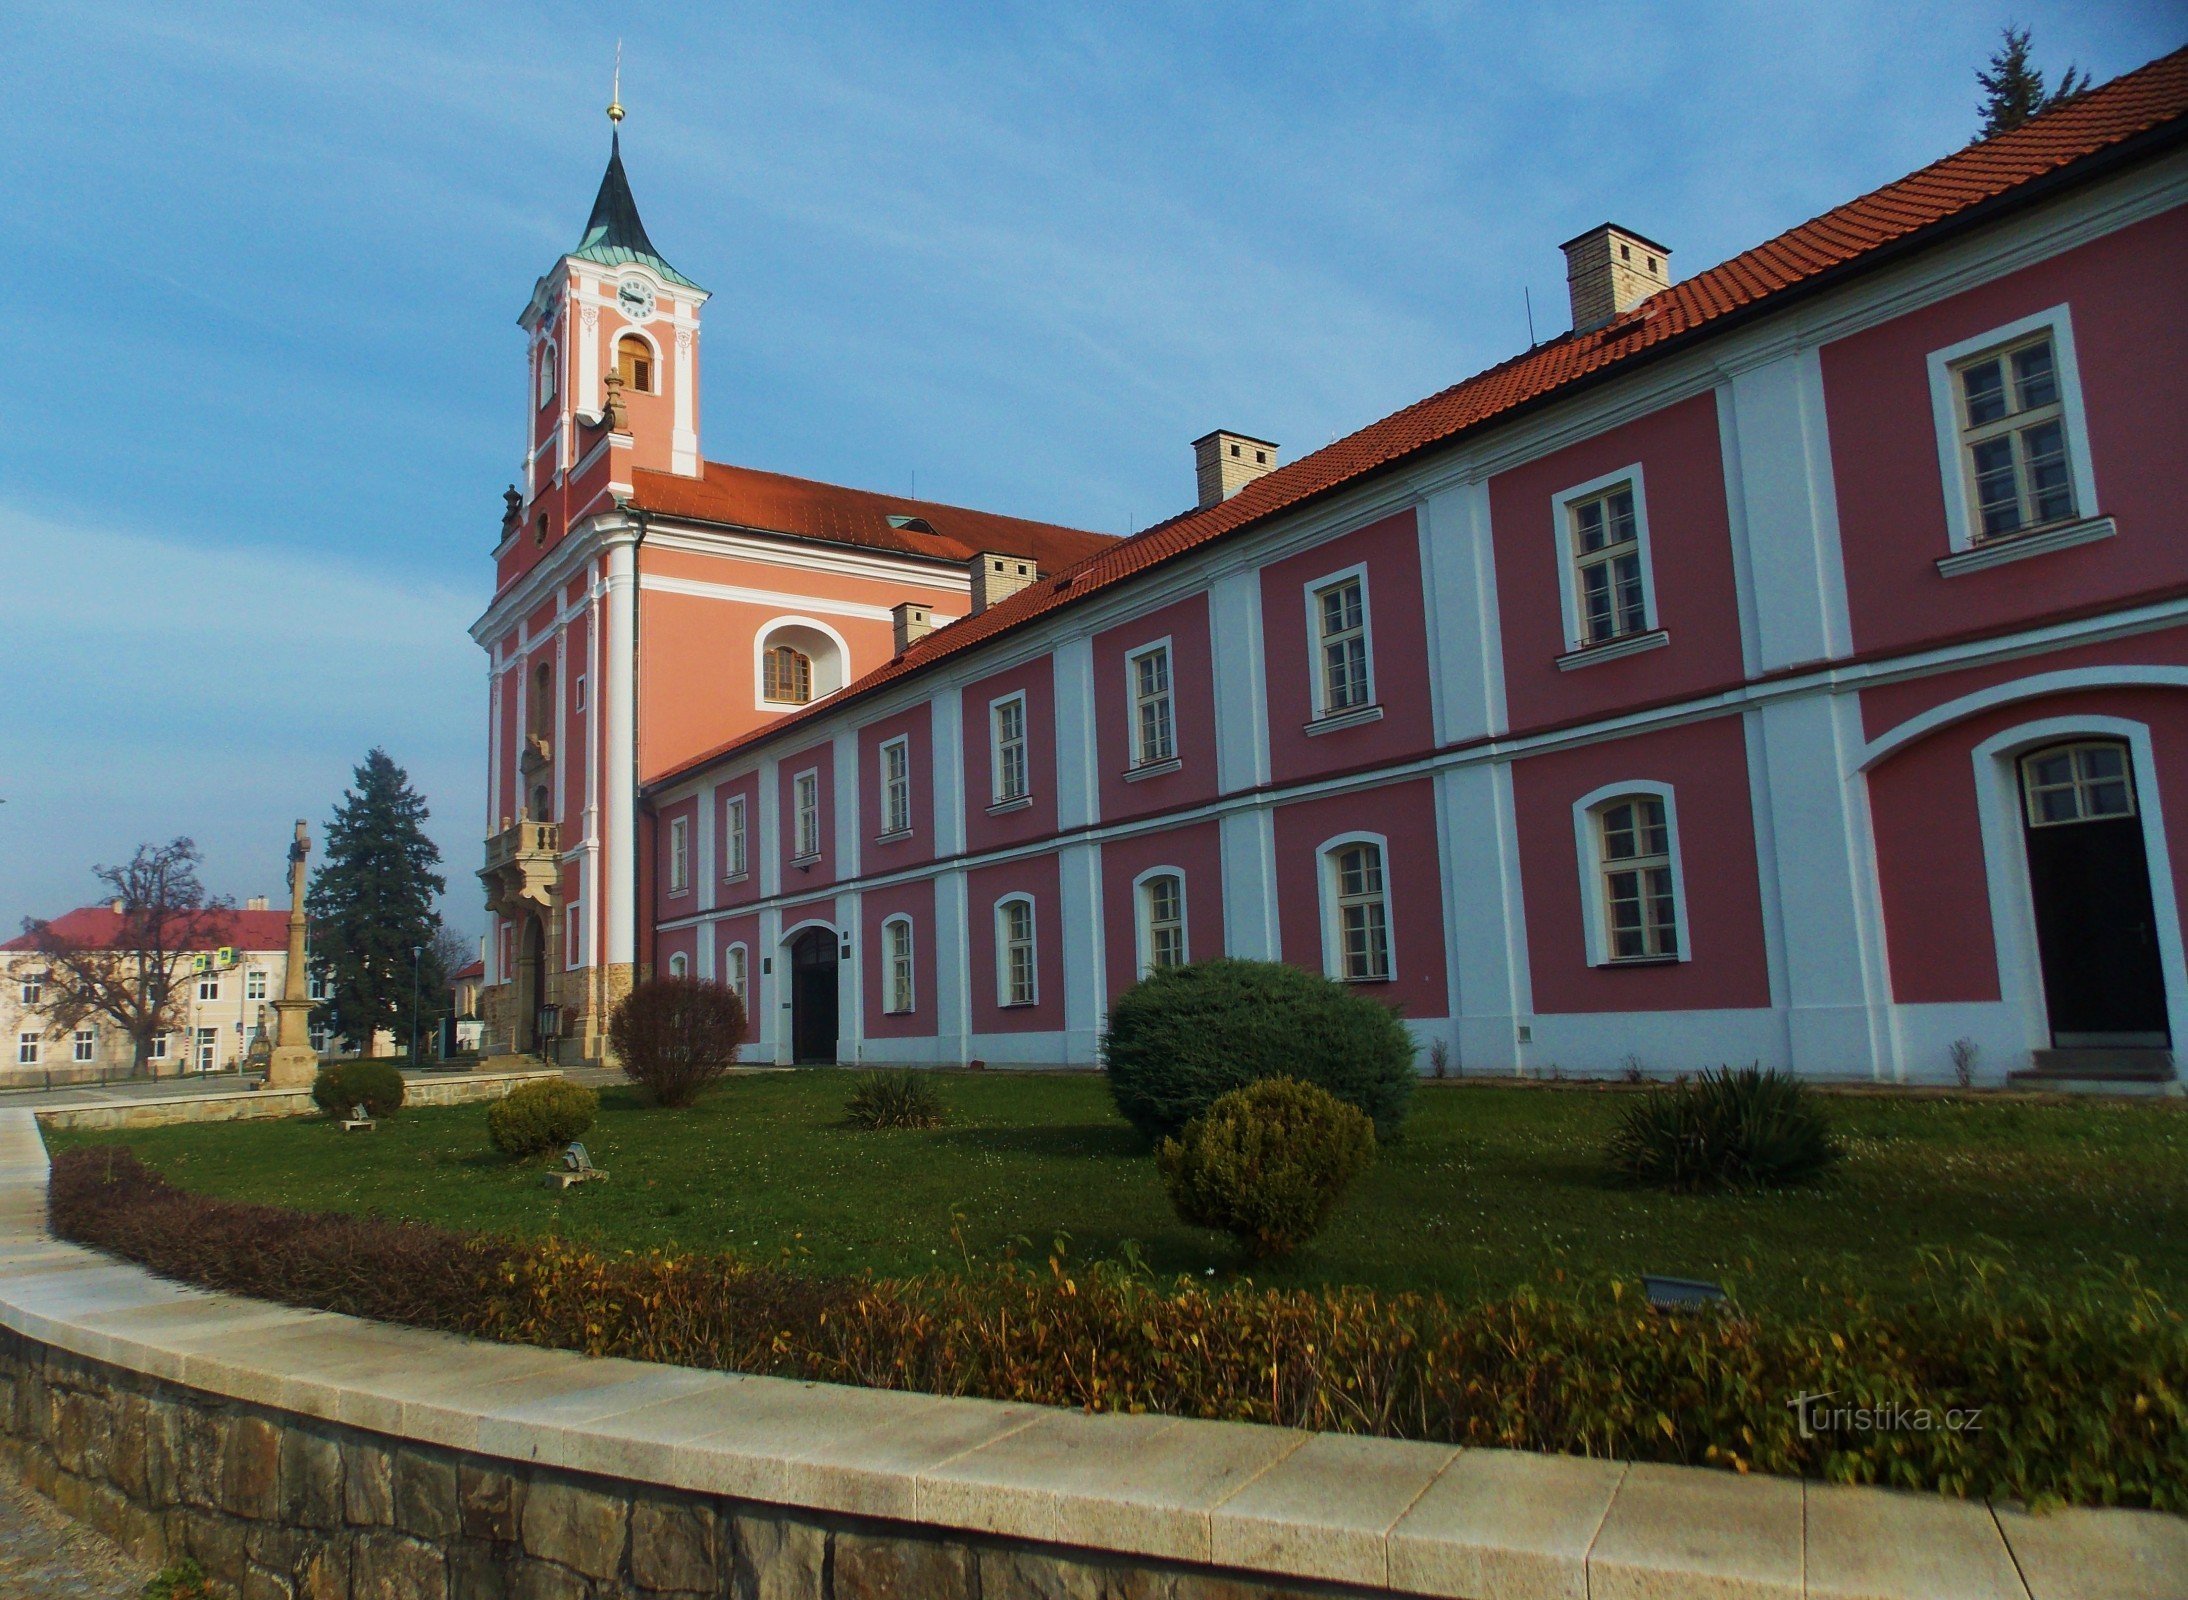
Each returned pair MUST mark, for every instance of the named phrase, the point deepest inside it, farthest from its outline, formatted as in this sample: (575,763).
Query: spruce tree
(372,904)
(2013,90)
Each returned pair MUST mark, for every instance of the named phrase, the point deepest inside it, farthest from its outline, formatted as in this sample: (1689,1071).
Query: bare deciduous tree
(136,978)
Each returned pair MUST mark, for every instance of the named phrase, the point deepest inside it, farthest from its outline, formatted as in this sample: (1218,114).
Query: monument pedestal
(294,1064)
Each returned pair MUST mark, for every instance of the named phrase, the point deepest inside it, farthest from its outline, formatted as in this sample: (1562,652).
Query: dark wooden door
(813,997)
(2096,931)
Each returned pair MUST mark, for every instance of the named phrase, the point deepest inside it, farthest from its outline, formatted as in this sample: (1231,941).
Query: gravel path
(45,1556)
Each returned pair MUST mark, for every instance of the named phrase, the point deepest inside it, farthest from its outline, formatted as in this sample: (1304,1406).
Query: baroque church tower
(650,606)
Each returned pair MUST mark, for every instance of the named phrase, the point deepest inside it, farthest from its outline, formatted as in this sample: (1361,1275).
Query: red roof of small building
(1958,190)
(773,502)
(99,926)
(466,974)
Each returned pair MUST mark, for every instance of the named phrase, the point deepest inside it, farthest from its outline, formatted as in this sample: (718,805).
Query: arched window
(634,363)
(679,965)
(1017,981)
(1161,921)
(733,969)
(1359,911)
(1638,892)
(787,675)
(896,966)
(546,374)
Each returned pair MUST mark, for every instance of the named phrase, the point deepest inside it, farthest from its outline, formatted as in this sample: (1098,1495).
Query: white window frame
(321,1036)
(549,379)
(1568,563)
(805,826)
(160,1046)
(736,841)
(1961,533)
(254,984)
(577,692)
(831,667)
(1005,994)
(1317,679)
(680,855)
(737,970)
(29,1048)
(1143,922)
(1588,842)
(573,936)
(318,986)
(1024,796)
(83,1046)
(33,990)
(899,972)
(679,965)
(208,987)
(205,1049)
(1138,760)
(1333,924)
(896,787)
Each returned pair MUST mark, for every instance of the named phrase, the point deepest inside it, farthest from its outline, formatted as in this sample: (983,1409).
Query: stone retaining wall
(251,1105)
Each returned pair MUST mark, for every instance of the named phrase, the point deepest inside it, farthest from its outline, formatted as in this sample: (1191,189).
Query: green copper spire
(613,234)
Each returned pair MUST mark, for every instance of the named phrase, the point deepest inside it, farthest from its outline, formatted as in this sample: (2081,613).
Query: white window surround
(1321,718)
(1003,994)
(1945,415)
(548,359)
(573,936)
(893,992)
(1561,528)
(998,800)
(254,984)
(895,810)
(577,692)
(85,1045)
(2005,864)
(1333,933)
(638,331)
(1588,846)
(28,1046)
(679,965)
(805,823)
(737,968)
(679,855)
(830,655)
(736,840)
(1135,767)
(1143,938)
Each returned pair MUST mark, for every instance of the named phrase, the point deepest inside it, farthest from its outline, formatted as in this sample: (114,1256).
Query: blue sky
(270,261)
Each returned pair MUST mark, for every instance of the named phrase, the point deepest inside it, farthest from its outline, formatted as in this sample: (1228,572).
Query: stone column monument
(294,1062)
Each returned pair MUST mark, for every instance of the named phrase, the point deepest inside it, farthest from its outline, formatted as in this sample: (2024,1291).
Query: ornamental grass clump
(1728,1130)
(898,1099)
(537,1117)
(375,1085)
(1267,1164)
(1183,1037)
(676,1036)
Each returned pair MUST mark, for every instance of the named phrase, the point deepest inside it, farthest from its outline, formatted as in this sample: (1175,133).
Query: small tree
(136,978)
(372,907)
(677,1035)
(2013,90)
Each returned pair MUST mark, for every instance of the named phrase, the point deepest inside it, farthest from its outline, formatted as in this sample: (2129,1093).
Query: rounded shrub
(535,1117)
(1744,1129)
(1267,1164)
(899,1099)
(677,1035)
(1185,1036)
(375,1085)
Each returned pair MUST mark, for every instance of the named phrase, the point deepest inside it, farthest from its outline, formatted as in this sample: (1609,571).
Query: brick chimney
(910,620)
(996,577)
(1225,462)
(1610,270)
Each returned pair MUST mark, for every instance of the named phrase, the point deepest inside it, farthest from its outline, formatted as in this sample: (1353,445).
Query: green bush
(1267,1164)
(900,1099)
(539,1116)
(182,1579)
(375,1085)
(1730,1130)
(1185,1036)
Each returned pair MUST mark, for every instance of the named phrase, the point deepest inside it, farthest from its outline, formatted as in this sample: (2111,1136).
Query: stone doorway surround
(302,1452)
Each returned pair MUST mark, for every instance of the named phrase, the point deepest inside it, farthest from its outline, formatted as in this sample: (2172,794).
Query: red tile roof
(1862,234)
(98,926)
(475,972)
(774,503)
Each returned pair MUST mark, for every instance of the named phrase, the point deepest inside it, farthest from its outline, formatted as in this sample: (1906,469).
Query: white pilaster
(767,972)
(1247,840)
(619,818)
(1459,588)
(684,439)
(1078,795)
(949,772)
(1485,919)
(703,823)
(1241,681)
(848,828)
(952,994)
(1086,1001)
(766,858)
(850,984)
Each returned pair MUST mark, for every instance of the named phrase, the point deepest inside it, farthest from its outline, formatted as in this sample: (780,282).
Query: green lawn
(1492,1187)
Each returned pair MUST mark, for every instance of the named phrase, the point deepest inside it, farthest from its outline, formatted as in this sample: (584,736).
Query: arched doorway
(531,983)
(2089,880)
(813,997)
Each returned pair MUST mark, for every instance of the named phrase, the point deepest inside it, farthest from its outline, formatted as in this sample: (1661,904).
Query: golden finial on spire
(615,95)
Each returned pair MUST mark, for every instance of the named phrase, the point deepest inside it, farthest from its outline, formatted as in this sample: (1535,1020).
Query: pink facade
(1126,792)
(1401,819)
(885,847)
(805,796)
(913,903)
(1194,854)
(987,889)
(992,817)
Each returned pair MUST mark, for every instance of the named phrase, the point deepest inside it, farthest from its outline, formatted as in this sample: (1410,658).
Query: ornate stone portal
(294,1063)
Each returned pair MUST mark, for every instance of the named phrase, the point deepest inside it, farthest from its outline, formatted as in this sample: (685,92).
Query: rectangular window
(896,786)
(2013,438)
(1007,730)
(679,854)
(1014,940)
(1344,682)
(805,803)
(254,984)
(1162,906)
(208,1042)
(1608,591)
(34,989)
(577,693)
(85,1045)
(159,1045)
(1640,906)
(208,988)
(26,1048)
(318,987)
(573,936)
(733,843)
(896,939)
(1154,734)
(319,1038)
(1363,913)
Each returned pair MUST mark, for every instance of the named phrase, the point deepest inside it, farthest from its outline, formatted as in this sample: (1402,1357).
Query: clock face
(636,300)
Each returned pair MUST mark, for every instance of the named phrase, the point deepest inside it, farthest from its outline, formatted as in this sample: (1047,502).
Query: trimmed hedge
(2084,1391)
(375,1085)
(1267,1164)
(1183,1037)
(535,1117)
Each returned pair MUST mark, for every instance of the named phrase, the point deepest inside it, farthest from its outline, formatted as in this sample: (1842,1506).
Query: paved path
(45,1556)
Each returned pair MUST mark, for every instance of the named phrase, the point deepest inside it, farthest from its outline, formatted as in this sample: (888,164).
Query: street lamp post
(417,956)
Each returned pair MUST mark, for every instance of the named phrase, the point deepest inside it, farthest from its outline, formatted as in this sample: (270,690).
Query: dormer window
(788,675)
(634,363)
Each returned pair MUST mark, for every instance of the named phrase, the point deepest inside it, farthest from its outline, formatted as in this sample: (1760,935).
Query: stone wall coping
(1413,1518)
(250,1105)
